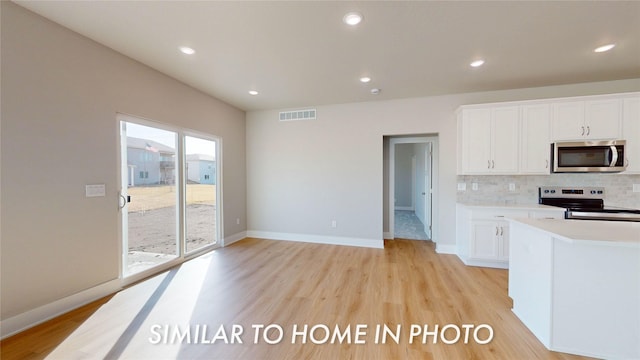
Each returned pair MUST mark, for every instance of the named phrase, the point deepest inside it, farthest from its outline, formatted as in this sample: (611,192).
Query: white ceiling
(299,54)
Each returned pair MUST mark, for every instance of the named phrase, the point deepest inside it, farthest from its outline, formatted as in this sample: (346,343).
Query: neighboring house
(150,163)
(201,169)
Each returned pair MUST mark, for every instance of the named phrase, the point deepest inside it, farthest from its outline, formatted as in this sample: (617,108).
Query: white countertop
(604,232)
(513,206)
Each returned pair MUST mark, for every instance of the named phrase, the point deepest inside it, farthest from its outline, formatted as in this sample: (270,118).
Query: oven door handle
(614,156)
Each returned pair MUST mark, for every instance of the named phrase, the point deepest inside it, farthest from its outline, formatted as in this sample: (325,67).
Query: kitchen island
(576,284)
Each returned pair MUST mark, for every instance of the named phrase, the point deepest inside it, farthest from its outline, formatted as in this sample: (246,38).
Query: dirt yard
(152,218)
(156,197)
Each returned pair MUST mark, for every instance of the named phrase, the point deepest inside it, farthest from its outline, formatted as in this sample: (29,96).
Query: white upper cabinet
(476,144)
(631,133)
(489,140)
(535,142)
(504,159)
(515,137)
(587,120)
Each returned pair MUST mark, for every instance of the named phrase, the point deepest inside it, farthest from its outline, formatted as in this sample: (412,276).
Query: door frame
(183,180)
(414,139)
(181,176)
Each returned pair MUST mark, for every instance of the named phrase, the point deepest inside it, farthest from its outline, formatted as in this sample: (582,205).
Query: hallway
(408,226)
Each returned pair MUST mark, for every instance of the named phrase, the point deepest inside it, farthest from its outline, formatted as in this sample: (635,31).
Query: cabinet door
(631,133)
(476,141)
(484,240)
(505,138)
(602,119)
(503,245)
(535,148)
(568,121)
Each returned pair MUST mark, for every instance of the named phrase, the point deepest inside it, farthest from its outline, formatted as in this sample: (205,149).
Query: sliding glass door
(169,194)
(201,182)
(150,196)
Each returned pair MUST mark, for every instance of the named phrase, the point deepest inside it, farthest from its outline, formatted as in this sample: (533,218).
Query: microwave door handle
(614,156)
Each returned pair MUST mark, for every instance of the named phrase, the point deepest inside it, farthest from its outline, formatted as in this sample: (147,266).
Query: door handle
(582,131)
(614,156)
(497,231)
(588,131)
(493,164)
(424,193)
(501,230)
(124,201)
(488,164)
(546,164)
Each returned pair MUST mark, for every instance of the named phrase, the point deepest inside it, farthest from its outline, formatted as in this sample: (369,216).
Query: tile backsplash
(494,189)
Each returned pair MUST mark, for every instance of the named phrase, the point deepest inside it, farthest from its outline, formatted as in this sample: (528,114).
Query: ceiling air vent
(308,114)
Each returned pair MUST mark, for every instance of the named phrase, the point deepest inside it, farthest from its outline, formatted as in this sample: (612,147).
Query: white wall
(303,174)
(60,95)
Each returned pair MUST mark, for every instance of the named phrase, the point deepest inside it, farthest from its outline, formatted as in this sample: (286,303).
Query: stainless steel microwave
(589,156)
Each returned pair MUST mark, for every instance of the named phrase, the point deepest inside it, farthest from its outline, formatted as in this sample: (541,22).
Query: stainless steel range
(584,203)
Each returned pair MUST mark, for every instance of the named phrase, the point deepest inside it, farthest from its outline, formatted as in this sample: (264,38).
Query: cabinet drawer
(498,214)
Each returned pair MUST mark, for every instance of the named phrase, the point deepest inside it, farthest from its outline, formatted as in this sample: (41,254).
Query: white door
(126,179)
(428,188)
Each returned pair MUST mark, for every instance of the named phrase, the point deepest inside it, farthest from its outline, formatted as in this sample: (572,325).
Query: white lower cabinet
(490,240)
(482,234)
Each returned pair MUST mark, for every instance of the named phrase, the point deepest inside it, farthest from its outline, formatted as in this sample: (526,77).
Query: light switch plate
(462,186)
(95,190)
(512,187)
(474,186)
(636,187)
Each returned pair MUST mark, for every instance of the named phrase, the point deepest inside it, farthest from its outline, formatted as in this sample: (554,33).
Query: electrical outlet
(237,221)
(462,186)
(636,187)
(474,186)
(334,224)
(512,187)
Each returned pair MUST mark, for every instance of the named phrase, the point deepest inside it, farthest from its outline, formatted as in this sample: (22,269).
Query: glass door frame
(181,175)
(183,184)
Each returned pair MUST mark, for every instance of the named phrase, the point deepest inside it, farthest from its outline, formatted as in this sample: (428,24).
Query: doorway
(149,196)
(169,195)
(412,195)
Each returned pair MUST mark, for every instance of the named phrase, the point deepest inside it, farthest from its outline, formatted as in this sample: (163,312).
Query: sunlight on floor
(125,321)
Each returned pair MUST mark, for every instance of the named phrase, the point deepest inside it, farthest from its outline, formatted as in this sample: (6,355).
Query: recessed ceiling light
(365,79)
(604,48)
(253,92)
(477,63)
(187,50)
(352,18)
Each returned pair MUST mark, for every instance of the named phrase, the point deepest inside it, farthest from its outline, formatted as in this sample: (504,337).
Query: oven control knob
(599,191)
(553,191)
(546,191)
(593,191)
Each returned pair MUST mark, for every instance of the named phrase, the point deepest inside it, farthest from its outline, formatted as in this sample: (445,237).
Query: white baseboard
(318,239)
(485,263)
(233,238)
(21,322)
(387,236)
(407,208)
(446,249)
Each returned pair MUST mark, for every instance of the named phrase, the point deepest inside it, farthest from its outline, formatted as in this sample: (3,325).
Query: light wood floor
(275,282)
